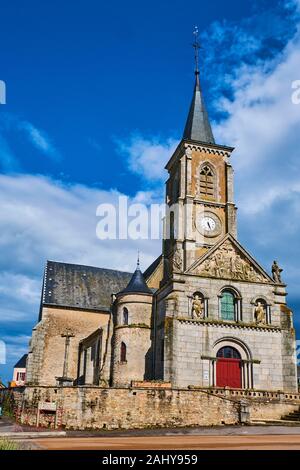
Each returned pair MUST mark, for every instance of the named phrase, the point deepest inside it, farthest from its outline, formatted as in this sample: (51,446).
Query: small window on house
(21,376)
(123,352)
(125,316)
(207,182)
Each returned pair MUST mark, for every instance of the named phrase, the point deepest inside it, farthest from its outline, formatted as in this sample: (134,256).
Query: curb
(31,435)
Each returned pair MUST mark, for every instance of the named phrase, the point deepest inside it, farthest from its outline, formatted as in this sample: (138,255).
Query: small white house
(19,375)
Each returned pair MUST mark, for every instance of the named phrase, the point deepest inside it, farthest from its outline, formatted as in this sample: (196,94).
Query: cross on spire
(197,126)
(196,46)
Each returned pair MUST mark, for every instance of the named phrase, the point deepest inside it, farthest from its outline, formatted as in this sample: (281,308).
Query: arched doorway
(229,368)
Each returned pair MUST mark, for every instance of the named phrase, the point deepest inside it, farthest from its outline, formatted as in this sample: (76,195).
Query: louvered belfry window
(207,182)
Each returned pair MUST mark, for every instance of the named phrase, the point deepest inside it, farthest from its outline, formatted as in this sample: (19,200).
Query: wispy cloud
(8,161)
(12,127)
(40,140)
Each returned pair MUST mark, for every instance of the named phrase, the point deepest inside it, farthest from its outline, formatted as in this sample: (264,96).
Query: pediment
(229,260)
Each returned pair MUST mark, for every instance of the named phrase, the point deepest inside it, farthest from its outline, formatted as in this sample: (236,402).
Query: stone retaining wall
(113,408)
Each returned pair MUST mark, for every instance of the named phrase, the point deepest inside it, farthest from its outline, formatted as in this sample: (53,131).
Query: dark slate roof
(21,364)
(152,267)
(84,287)
(137,284)
(198,126)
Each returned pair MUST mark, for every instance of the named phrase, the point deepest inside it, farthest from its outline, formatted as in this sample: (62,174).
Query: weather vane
(196,46)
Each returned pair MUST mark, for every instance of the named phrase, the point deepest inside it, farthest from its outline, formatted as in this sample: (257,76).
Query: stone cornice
(210,148)
(245,361)
(222,324)
(186,146)
(135,325)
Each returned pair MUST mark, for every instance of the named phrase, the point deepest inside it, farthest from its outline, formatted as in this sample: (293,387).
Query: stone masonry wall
(46,355)
(124,408)
(100,408)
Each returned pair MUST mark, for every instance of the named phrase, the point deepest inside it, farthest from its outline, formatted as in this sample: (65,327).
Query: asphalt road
(178,442)
(202,438)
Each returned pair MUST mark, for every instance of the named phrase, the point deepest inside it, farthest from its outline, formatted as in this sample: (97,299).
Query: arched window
(172,225)
(207,182)
(228,353)
(228,306)
(125,316)
(123,352)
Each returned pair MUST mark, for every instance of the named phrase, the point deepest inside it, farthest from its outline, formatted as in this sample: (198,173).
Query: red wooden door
(229,373)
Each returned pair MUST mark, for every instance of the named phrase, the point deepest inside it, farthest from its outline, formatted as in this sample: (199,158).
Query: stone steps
(294,416)
(274,422)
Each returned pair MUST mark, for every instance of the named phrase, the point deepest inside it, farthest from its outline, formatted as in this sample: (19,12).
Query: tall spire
(197,125)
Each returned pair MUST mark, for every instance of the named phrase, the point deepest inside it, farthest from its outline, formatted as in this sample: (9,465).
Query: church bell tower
(199,191)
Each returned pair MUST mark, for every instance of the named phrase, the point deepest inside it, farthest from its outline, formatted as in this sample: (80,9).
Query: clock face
(208,224)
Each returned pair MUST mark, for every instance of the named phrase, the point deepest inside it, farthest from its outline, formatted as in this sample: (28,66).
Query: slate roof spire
(197,125)
(137,283)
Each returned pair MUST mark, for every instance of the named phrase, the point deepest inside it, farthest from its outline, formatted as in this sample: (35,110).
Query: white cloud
(147,157)
(14,285)
(43,219)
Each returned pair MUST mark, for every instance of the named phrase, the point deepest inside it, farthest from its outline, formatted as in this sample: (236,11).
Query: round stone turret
(131,355)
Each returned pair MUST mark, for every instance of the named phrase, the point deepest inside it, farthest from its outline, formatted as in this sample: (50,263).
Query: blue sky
(97,97)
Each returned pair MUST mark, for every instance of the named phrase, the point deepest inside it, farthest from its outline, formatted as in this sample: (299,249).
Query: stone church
(205,314)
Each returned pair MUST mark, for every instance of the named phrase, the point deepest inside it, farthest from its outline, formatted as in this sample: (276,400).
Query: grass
(6,444)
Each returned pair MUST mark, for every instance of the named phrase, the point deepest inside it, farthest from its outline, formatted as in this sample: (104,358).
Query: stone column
(89,367)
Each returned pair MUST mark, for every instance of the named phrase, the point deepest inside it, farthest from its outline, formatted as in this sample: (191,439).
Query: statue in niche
(260,314)
(197,307)
(276,272)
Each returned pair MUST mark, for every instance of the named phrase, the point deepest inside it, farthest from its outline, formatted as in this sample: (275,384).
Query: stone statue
(197,307)
(276,272)
(260,314)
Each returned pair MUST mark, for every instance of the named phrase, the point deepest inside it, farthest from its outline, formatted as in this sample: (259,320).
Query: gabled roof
(239,249)
(82,287)
(197,126)
(21,364)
